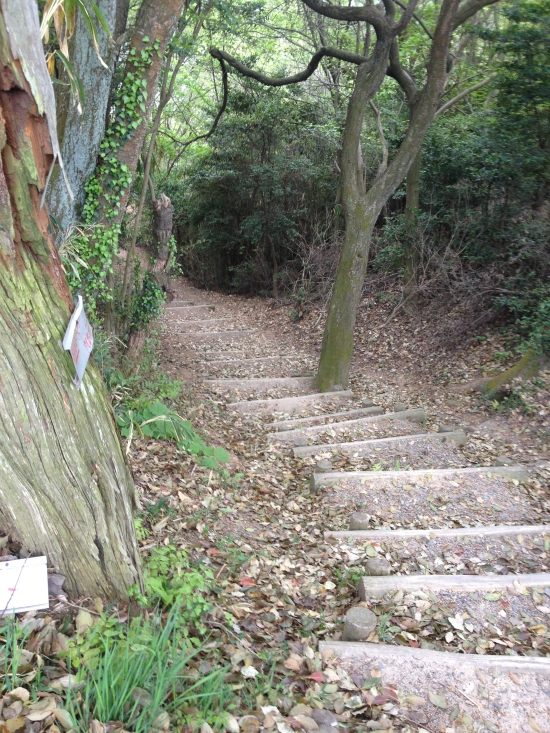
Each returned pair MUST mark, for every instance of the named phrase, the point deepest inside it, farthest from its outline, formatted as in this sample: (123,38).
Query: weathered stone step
(261,384)
(491,550)
(291,405)
(378,586)
(323,419)
(288,436)
(488,531)
(393,660)
(225,336)
(178,304)
(191,310)
(457,437)
(324,479)
(234,360)
(197,326)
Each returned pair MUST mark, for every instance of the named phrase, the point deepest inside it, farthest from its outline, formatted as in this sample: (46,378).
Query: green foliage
(147,301)
(248,202)
(139,673)
(170,580)
(13,656)
(159,422)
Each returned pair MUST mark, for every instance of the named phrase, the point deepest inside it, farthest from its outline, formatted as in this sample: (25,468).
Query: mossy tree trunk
(65,488)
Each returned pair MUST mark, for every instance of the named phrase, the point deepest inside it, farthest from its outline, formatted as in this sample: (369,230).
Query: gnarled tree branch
(271,81)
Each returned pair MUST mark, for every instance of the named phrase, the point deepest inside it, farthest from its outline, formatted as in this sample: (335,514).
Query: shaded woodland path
(344,504)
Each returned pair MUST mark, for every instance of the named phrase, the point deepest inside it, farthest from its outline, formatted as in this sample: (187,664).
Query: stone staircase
(423,500)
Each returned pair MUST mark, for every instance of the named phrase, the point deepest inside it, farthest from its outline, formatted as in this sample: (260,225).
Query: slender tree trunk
(362,209)
(81,134)
(412,255)
(65,488)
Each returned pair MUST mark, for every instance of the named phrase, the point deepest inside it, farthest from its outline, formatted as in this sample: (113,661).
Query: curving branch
(406,17)
(418,19)
(401,75)
(383,143)
(271,81)
(463,94)
(469,9)
(369,13)
(212,130)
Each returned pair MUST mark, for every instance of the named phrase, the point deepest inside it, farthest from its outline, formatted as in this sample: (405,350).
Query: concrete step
(388,534)
(191,310)
(378,586)
(367,446)
(323,419)
(234,360)
(489,550)
(198,326)
(333,477)
(262,384)
(288,436)
(221,336)
(291,405)
(392,660)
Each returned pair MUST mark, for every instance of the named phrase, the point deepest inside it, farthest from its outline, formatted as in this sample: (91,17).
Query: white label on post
(79,339)
(23,585)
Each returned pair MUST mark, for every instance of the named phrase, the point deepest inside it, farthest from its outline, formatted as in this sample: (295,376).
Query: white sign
(23,585)
(79,339)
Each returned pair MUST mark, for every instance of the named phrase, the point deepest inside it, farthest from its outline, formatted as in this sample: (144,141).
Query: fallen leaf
(440,701)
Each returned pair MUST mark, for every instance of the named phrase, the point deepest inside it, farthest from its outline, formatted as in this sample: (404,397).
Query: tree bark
(412,259)
(65,488)
(81,134)
(155,21)
(362,210)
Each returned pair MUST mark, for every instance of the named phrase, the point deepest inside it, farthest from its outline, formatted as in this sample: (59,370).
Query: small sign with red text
(79,340)
(23,585)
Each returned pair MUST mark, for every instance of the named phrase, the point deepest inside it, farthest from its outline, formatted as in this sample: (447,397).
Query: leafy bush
(161,423)
(170,580)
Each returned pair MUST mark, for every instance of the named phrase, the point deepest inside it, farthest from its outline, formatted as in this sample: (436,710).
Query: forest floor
(280,587)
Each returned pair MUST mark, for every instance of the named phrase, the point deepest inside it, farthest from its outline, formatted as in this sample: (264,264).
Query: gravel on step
(440,501)
(469,699)
(401,455)
(464,555)
(511,621)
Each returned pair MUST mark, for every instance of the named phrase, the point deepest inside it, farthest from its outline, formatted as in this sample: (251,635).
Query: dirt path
(276,532)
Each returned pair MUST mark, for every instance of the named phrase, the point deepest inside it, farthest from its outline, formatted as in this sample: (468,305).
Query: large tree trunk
(65,488)
(81,134)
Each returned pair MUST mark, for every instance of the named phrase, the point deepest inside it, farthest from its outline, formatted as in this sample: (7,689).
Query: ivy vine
(107,187)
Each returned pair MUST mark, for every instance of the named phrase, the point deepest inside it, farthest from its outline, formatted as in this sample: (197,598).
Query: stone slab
(299,422)
(518,472)
(261,384)
(192,310)
(290,405)
(407,655)
(494,531)
(226,336)
(235,361)
(377,586)
(187,326)
(416,415)
(307,450)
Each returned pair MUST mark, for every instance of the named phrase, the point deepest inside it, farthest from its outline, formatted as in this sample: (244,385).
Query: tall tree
(362,207)
(65,488)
